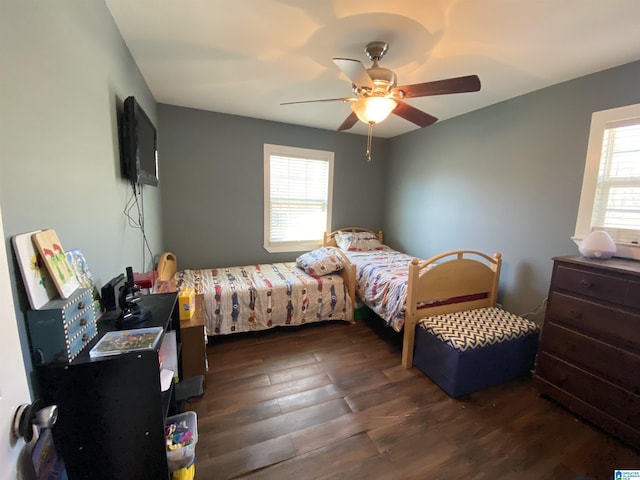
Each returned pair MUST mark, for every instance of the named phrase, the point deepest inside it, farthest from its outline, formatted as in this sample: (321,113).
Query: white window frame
(600,121)
(303,153)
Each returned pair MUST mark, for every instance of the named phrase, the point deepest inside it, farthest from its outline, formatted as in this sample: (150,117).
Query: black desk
(111,410)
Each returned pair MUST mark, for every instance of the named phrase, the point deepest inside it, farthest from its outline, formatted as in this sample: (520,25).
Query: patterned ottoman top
(477,328)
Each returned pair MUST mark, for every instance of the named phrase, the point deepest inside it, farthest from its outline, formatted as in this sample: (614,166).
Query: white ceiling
(245,57)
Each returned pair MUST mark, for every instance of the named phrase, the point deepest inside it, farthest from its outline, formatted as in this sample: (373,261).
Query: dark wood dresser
(589,351)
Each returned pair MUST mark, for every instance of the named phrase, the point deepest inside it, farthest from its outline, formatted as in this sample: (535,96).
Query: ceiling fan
(377,94)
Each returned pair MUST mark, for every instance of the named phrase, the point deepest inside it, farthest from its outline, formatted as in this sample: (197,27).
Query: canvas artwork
(80,267)
(56,262)
(37,281)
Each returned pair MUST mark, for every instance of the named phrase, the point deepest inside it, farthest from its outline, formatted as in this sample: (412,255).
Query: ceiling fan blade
(344,99)
(354,69)
(414,115)
(349,122)
(470,83)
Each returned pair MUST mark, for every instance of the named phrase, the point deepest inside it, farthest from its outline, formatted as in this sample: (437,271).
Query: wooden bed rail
(449,282)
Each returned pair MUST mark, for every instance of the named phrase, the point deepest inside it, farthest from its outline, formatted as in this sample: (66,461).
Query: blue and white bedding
(382,275)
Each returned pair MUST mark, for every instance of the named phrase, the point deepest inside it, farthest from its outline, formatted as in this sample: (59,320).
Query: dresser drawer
(594,285)
(619,327)
(54,329)
(596,416)
(597,392)
(81,339)
(75,306)
(633,295)
(80,321)
(614,364)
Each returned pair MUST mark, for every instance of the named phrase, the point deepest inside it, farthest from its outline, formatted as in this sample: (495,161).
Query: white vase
(598,244)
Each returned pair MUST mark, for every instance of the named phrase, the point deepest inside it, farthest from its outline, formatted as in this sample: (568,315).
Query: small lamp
(598,244)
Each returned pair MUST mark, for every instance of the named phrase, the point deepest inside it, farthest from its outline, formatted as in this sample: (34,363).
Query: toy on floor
(179,435)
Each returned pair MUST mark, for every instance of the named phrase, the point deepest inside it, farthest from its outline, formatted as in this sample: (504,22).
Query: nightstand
(194,349)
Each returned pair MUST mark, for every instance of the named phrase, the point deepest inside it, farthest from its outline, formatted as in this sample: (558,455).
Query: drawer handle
(85,337)
(585,283)
(81,305)
(575,314)
(83,321)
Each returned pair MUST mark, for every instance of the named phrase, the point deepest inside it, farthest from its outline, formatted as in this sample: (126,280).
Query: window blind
(617,198)
(298,199)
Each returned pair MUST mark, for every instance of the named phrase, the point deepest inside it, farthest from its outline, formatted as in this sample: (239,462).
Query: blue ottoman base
(459,373)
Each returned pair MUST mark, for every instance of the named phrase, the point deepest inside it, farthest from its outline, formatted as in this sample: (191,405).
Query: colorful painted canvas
(79,265)
(125,341)
(37,281)
(56,262)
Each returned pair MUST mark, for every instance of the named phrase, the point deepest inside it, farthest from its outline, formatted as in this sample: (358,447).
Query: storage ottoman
(466,351)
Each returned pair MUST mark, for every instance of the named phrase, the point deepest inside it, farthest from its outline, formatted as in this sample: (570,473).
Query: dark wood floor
(332,401)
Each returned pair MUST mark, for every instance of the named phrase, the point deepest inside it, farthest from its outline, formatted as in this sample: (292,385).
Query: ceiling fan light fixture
(376,94)
(372,110)
(383,79)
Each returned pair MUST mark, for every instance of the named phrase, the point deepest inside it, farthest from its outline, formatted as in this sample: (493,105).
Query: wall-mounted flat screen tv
(139,145)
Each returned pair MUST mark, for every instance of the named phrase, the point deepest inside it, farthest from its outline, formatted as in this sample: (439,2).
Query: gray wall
(505,179)
(213,205)
(65,73)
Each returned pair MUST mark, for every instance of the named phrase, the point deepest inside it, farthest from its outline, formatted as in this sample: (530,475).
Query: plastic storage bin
(183,457)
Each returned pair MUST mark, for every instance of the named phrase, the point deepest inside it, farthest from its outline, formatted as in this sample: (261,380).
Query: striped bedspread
(382,277)
(259,297)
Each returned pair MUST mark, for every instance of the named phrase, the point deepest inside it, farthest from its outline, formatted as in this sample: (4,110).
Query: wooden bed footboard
(348,274)
(450,282)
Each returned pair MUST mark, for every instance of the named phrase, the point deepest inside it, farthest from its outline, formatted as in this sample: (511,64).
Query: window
(610,198)
(298,186)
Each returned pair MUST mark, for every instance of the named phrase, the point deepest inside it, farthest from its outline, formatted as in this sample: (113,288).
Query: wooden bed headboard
(450,282)
(329,239)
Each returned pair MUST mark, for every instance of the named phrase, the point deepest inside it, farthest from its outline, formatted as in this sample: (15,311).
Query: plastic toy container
(183,456)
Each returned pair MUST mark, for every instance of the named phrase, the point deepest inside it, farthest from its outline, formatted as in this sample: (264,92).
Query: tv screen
(139,145)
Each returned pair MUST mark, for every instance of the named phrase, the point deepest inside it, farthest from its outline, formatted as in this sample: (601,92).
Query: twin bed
(318,287)
(322,285)
(401,289)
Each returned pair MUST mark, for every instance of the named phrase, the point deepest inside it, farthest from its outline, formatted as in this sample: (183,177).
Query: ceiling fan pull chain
(369,142)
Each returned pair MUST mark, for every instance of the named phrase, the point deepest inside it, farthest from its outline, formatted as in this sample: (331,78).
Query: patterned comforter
(382,277)
(259,297)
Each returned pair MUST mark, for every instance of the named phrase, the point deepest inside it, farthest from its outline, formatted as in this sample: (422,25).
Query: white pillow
(319,262)
(358,241)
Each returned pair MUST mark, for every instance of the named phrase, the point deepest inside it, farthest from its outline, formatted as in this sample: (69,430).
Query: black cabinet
(111,410)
